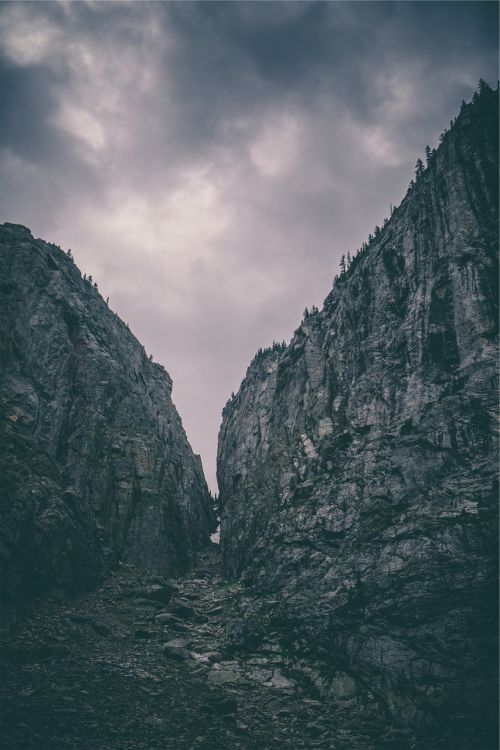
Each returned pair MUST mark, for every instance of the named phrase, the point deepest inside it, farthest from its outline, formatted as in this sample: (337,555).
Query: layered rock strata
(95,464)
(358,466)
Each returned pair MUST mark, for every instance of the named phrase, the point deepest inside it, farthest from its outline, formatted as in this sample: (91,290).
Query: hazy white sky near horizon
(208,163)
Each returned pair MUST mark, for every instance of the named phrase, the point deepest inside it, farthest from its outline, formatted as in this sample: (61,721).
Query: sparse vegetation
(277,346)
(347,266)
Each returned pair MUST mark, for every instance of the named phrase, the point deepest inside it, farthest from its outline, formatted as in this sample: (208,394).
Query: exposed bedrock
(95,464)
(358,466)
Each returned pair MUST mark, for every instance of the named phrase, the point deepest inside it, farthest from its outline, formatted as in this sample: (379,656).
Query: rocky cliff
(357,469)
(95,464)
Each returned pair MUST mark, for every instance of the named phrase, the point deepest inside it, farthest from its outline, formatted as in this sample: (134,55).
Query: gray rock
(357,466)
(343,687)
(159,592)
(225,705)
(166,618)
(181,609)
(225,676)
(177,648)
(94,460)
(279,680)
(259,675)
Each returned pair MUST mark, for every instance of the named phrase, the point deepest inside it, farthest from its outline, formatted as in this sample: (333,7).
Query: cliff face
(357,468)
(95,464)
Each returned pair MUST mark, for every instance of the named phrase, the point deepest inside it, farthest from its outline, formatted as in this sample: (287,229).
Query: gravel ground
(142,663)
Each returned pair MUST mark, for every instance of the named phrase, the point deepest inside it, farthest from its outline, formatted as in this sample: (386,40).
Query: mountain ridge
(88,420)
(357,468)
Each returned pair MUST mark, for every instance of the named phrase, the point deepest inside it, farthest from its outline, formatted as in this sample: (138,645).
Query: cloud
(209,163)
(275,149)
(25,39)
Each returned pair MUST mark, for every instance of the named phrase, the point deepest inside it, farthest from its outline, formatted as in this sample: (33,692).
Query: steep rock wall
(358,468)
(95,464)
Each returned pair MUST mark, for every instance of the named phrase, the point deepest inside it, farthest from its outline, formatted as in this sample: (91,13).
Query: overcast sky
(208,163)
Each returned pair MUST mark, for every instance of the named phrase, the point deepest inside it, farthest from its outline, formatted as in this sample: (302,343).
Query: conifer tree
(483,87)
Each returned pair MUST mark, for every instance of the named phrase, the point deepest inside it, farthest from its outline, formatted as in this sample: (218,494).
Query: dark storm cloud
(241,56)
(209,162)
(26,101)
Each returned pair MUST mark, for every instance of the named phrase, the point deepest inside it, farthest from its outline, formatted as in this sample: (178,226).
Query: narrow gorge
(352,602)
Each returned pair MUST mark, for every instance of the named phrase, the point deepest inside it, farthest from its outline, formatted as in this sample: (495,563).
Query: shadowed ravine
(352,603)
(143,663)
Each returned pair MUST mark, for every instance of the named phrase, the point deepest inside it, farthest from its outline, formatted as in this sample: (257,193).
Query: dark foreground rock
(109,671)
(94,463)
(358,469)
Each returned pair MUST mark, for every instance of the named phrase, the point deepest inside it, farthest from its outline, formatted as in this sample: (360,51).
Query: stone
(225,705)
(177,648)
(181,609)
(90,427)
(225,676)
(281,682)
(343,687)
(166,618)
(159,593)
(357,466)
(259,675)
(213,656)
(200,658)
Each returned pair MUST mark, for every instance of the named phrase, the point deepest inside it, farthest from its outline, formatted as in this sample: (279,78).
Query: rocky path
(143,663)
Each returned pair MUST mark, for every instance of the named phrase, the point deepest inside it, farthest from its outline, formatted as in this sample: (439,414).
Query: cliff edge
(358,467)
(95,464)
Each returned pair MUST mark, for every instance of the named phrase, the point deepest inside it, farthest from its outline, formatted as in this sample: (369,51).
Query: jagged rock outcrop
(358,468)
(95,464)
